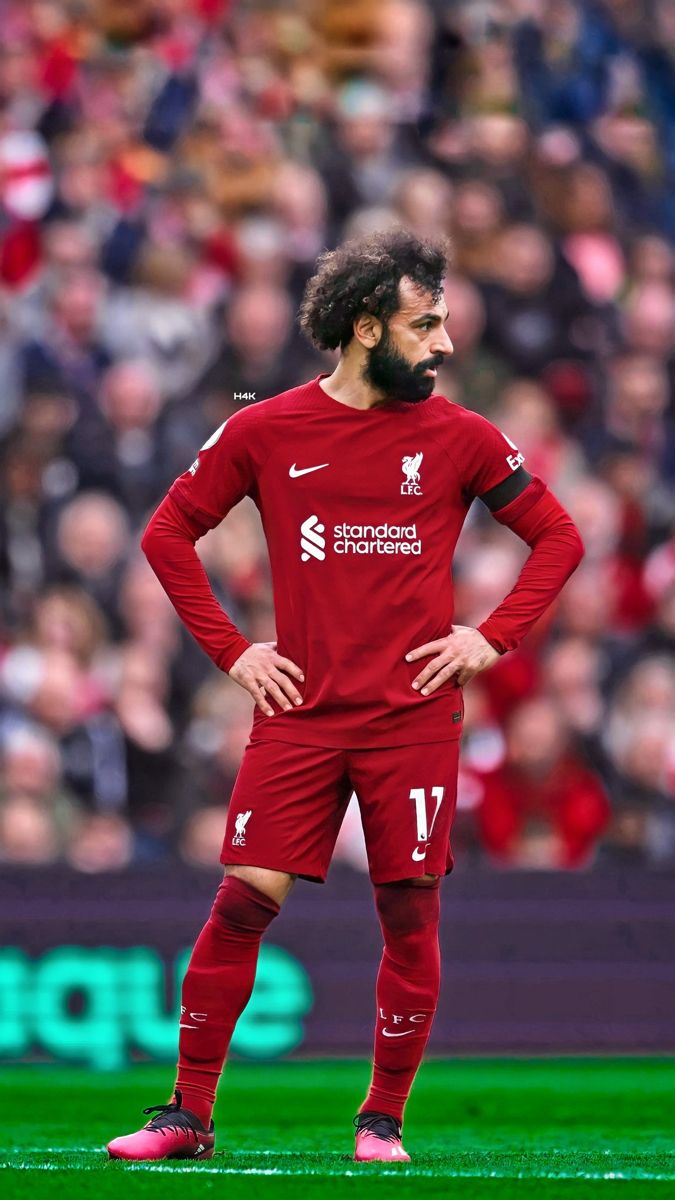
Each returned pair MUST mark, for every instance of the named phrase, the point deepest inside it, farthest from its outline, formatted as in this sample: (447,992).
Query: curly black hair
(363,275)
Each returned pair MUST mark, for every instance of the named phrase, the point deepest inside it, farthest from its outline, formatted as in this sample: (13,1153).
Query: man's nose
(442,344)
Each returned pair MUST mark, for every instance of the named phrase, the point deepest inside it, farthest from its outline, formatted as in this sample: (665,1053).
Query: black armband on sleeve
(506,491)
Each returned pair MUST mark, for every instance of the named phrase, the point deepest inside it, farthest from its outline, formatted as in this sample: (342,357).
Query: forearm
(556,550)
(169,546)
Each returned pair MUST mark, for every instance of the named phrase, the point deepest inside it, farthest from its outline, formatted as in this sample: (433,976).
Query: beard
(390,372)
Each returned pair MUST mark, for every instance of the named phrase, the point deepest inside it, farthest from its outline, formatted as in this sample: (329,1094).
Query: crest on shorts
(240,822)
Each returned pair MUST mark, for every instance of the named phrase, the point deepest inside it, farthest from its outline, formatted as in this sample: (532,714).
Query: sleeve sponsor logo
(514,460)
(214,437)
(207,446)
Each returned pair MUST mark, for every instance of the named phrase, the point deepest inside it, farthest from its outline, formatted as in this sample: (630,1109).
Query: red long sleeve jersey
(361,511)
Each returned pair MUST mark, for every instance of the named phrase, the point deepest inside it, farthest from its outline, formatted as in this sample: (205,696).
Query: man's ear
(368,330)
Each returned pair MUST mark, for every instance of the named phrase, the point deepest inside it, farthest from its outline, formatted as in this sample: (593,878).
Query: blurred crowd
(169,170)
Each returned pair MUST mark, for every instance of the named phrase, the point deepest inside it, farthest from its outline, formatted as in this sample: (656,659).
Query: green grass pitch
(475,1128)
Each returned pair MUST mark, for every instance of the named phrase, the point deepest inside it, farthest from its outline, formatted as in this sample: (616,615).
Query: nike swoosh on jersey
(294,473)
(418,854)
(404,1033)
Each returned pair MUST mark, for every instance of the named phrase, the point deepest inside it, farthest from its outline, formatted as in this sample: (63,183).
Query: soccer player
(363,479)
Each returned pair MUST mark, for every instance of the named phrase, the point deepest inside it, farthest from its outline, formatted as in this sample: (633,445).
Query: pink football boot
(174,1133)
(378,1139)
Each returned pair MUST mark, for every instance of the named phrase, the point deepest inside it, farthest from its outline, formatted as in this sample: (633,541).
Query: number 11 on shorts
(424,830)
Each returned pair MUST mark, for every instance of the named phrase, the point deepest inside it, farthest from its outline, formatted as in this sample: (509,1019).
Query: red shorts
(288,803)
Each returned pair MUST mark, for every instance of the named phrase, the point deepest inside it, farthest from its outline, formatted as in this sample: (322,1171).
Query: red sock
(216,989)
(407,992)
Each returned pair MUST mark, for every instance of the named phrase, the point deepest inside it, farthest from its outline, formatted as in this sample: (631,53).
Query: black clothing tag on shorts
(456,716)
